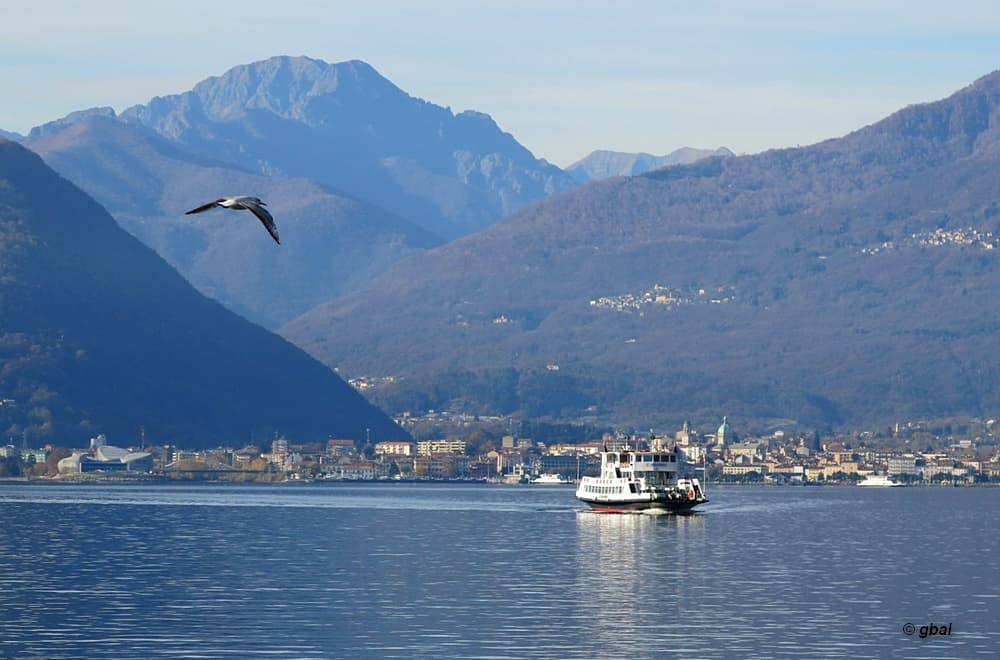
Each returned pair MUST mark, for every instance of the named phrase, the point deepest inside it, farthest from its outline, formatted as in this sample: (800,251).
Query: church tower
(724,436)
(684,437)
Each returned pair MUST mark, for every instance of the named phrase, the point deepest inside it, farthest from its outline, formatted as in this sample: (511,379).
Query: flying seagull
(252,204)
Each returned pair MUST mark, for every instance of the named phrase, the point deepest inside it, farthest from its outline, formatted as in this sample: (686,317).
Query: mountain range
(358,174)
(99,335)
(843,283)
(849,282)
(347,127)
(604,164)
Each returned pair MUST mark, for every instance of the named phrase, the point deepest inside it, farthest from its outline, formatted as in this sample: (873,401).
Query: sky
(563,77)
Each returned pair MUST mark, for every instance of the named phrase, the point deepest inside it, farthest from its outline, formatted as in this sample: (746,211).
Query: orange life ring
(690,493)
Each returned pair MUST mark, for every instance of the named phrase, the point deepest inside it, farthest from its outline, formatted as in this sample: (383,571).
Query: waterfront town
(913,453)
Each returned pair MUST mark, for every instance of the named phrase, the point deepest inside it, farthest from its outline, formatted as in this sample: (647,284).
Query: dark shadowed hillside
(331,244)
(849,282)
(98,334)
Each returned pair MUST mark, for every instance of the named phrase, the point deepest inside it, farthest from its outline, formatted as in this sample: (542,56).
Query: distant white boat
(551,480)
(880,480)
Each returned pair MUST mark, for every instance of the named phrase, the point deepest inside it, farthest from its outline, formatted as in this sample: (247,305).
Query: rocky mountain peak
(288,87)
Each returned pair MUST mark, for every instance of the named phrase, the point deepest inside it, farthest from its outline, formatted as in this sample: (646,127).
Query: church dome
(725,432)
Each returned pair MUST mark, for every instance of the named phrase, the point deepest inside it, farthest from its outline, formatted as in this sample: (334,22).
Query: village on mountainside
(951,453)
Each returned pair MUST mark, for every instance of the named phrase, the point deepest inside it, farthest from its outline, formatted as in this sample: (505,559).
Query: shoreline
(156,479)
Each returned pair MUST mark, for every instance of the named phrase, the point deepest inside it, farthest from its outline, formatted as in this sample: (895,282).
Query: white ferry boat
(879,480)
(638,480)
(551,480)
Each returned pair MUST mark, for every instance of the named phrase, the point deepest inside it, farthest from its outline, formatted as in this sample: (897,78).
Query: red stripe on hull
(635,507)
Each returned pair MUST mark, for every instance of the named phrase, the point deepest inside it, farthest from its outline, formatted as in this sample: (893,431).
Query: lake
(402,570)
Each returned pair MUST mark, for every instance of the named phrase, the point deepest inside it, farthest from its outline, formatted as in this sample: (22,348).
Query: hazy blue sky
(563,77)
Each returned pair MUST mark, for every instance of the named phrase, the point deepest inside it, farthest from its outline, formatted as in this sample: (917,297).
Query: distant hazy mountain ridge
(605,164)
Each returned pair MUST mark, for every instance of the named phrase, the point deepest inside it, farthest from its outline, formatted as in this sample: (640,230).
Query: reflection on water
(333,495)
(637,571)
(449,571)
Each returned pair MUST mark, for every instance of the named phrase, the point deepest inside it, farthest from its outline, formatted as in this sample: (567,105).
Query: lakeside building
(106,458)
(279,449)
(360,471)
(564,464)
(395,448)
(339,447)
(904,465)
(779,457)
(742,469)
(442,466)
(432,447)
(753,450)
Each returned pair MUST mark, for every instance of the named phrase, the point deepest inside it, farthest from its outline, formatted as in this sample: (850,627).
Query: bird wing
(205,207)
(264,216)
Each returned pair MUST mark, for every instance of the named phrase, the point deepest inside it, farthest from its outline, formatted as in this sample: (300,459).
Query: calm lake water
(478,571)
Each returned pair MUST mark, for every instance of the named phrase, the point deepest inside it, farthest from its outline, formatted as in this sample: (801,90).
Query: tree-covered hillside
(843,283)
(99,335)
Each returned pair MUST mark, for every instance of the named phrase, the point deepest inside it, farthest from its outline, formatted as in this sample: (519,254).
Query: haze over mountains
(604,164)
(360,173)
(99,335)
(347,127)
(849,282)
(844,283)
(333,243)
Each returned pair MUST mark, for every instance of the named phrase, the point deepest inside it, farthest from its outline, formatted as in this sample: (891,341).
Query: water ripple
(403,571)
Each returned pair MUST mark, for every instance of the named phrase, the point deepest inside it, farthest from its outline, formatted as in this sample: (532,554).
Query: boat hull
(670,506)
